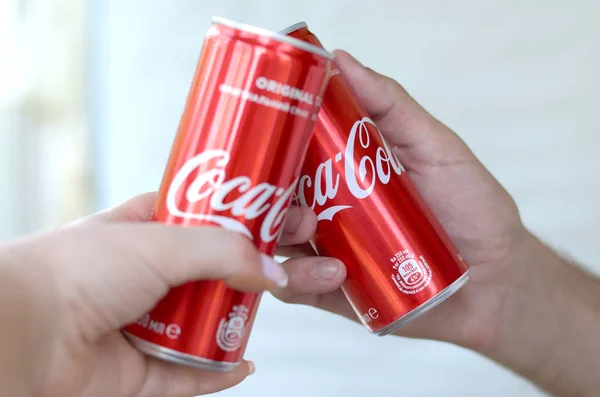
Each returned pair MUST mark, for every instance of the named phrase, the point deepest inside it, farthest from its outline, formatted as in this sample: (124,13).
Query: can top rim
(274,35)
(294,27)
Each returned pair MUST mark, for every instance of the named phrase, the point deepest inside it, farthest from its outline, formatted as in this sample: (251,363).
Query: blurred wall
(44,173)
(518,80)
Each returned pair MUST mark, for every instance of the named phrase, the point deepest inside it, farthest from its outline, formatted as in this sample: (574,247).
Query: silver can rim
(177,357)
(303,45)
(294,27)
(424,308)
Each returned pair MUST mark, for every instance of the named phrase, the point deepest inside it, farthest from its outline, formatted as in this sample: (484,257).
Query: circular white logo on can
(412,274)
(232,330)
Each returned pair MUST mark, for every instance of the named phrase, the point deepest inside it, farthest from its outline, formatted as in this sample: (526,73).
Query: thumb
(405,123)
(117,271)
(174,254)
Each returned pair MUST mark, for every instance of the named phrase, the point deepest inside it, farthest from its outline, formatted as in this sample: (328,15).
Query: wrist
(527,323)
(549,318)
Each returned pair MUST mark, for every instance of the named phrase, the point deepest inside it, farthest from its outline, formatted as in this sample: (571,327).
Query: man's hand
(479,215)
(521,305)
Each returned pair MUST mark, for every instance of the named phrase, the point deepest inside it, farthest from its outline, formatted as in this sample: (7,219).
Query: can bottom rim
(425,307)
(176,357)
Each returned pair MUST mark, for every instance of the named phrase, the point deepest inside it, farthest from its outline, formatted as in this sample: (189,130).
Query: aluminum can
(400,261)
(235,163)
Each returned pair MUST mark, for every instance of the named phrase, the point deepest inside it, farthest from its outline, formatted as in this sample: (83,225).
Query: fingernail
(251,367)
(326,270)
(273,271)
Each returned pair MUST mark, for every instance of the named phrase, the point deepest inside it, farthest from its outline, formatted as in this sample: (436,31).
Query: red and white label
(411,273)
(325,185)
(213,186)
(232,329)
(172,331)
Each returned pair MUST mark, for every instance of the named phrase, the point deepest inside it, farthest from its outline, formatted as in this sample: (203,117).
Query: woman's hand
(65,295)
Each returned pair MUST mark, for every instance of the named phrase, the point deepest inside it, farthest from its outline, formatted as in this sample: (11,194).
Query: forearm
(551,324)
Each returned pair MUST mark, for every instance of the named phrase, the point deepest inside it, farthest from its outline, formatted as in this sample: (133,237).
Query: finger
(309,277)
(398,116)
(125,268)
(136,209)
(300,226)
(291,251)
(316,282)
(114,367)
(333,302)
(387,102)
(180,254)
(170,380)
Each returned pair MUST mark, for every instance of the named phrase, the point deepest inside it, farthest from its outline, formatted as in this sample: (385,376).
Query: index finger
(399,117)
(136,209)
(123,269)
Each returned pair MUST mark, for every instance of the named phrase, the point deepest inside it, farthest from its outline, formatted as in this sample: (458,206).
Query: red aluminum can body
(235,163)
(400,261)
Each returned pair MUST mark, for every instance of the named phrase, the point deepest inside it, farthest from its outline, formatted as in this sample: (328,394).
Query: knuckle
(288,296)
(242,248)
(396,84)
(397,88)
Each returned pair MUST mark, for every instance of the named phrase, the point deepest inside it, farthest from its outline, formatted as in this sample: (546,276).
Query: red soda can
(235,163)
(400,261)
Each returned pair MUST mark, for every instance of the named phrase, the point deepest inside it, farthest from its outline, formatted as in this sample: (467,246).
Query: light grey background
(518,80)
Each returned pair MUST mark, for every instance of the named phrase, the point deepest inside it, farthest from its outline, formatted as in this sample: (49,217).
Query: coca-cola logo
(377,168)
(235,197)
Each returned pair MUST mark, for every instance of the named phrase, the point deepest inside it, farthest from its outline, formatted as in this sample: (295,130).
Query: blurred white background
(91,94)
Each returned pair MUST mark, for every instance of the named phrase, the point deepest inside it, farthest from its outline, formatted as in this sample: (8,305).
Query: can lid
(294,27)
(274,35)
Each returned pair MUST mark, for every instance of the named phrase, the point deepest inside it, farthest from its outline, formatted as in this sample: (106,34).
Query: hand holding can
(400,261)
(478,214)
